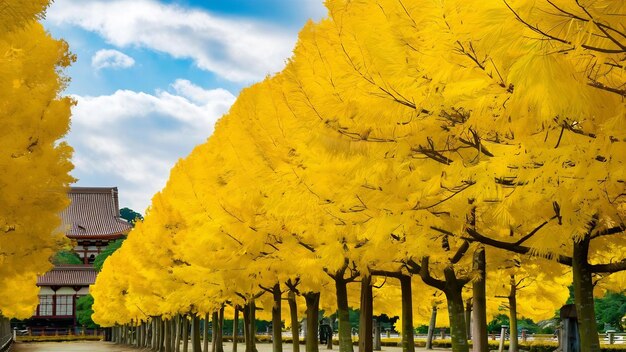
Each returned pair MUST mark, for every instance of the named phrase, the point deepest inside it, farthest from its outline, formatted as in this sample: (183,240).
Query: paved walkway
(96,346)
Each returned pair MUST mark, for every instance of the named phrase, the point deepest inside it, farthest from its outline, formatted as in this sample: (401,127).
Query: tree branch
(460,252)
(512,247)
(610,231)
(609,268)
(423,271)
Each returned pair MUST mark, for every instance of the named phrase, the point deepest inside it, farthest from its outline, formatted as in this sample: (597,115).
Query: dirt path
(97,346)
(78,346)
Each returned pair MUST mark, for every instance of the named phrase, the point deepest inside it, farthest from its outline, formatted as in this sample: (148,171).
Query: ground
(91,346)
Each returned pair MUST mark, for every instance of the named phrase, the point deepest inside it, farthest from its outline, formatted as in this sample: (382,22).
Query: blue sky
(152,77)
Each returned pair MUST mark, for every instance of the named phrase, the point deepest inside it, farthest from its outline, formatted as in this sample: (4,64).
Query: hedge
(59,338)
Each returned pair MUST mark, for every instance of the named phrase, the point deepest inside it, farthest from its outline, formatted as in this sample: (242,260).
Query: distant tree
(386,322)
(610,310)
(66,257)
(422,329)
(496,324)
(130,215)
(84,311)
(127,214)
(529,325)
(84,304)
(112,247)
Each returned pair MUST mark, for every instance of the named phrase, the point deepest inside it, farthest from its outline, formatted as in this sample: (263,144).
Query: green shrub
(59,338)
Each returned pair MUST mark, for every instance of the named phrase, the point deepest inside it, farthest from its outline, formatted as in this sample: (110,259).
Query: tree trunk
(178,331)
(295,325)
(141,335)
(205,333)
(431,328)
(329,342)
(479,301)
(253,327)
(195,334)
(408,337)
(583,298)
(468,317)
(246,327)
(312,317)
(147,332)
(277,337)
(456,312)
(366,315)
(250,326)
(214,327)
(220,330)
(138,335)
(171,329)
(185,334)
(235,329)
(513,316)
(168,335)
(345,330)
(162,335)
(153,343)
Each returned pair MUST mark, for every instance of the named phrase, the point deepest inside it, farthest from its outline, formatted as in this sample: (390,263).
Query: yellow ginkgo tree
(34,162)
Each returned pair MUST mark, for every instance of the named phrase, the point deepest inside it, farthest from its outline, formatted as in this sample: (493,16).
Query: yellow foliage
(34,164)
(395,131)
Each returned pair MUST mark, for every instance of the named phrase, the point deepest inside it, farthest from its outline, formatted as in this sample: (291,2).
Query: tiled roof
(68,275)
(93,213)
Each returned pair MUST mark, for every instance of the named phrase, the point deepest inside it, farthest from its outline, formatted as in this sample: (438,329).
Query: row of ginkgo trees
(435,144)
(34,163)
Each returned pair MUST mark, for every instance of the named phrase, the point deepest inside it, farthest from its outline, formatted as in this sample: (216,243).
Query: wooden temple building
(91,221)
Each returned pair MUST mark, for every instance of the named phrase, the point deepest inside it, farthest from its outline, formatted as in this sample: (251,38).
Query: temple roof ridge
(93,214)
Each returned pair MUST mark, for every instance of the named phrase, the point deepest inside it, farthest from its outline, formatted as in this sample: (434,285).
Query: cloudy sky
(153,76)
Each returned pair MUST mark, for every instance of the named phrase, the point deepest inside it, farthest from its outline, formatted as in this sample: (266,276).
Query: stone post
(377,344)
(570,339)
(502,338)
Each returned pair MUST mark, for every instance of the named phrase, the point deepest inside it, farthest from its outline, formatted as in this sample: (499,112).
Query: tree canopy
(34,161)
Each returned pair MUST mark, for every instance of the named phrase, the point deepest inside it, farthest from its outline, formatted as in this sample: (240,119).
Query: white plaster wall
(45,290)
(66,291)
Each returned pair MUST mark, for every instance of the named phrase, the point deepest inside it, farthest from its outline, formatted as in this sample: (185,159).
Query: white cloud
(239,50)
(131,139)
(110,58)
